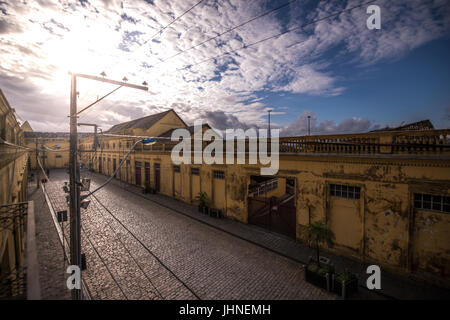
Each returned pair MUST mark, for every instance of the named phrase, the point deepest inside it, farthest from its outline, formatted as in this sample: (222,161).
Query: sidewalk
(52,276)
(393,287)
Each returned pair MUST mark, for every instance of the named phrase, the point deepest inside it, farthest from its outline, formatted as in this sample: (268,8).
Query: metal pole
(309,126)
(95,147)
(43,154)
(37,165)
(269,111)
(75,226)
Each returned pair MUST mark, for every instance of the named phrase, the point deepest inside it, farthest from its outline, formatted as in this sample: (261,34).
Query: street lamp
(309,125)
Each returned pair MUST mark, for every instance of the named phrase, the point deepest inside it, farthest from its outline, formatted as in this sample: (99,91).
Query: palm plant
(201,198)
(317,234)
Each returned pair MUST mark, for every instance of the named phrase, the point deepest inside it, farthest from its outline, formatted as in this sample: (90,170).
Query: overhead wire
(246,46)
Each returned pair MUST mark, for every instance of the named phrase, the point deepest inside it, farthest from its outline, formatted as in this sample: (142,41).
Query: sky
(346,77)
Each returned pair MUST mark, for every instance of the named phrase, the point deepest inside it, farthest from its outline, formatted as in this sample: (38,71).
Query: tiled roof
(141,123)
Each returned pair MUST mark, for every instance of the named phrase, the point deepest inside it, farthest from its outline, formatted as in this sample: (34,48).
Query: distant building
(415,126)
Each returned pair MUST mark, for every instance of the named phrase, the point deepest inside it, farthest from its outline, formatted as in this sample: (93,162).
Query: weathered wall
(381,226)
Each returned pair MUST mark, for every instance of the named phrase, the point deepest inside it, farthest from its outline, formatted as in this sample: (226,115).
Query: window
(58,156)
(195,171)
(431,202)
(176,168)
(343,191)
(219,175)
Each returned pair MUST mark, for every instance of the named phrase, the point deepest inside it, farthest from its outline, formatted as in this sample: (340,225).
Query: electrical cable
(229,30)
(277,35)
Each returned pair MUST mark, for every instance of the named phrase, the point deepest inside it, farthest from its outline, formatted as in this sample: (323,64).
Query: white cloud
(42,40)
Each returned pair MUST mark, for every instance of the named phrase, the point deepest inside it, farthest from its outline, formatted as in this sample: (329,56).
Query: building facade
(14,208)
(385,194)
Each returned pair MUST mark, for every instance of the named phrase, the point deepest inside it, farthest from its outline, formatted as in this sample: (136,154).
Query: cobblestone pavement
(138,249)
(393,286)
(52,276)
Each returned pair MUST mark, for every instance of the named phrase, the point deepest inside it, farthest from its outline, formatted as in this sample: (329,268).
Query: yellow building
(385,194)
(14,210)
(13,156)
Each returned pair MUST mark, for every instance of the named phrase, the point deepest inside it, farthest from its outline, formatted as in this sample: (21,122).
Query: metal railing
(425,142)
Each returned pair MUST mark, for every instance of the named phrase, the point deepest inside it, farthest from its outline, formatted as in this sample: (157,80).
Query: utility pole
(74,170)
(269,111)
(74,183)
(37,165)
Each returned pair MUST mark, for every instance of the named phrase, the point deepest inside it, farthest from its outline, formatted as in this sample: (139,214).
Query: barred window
(176,168)
(219,175)
(431,202)
(195,171)
(343,191)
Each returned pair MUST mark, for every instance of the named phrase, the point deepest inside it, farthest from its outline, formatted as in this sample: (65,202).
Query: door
(345,215)
(100,164)
(138,169)
(114,167)
(157,177)
(176,182)
(275,214)
(219,190)
(195,183)
(147,172)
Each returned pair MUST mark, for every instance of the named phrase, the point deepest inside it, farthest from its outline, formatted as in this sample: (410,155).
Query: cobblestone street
(137,249)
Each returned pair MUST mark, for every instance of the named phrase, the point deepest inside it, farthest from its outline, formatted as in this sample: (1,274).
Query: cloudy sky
(346,77)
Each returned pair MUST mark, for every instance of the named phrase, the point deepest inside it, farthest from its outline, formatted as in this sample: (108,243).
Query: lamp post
(269,111)
(309,125)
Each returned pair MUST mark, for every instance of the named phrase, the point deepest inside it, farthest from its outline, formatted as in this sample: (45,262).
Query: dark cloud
(6,27)
(221,121)
(44,112)
(351,125)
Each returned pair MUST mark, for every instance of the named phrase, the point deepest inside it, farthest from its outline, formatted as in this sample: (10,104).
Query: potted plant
(344,284)
(201,199)
(318,234)
(319,275)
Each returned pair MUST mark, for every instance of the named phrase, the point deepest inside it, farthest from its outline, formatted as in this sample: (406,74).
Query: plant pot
(206,210)
(318,277)
(344,288)
(200,209)
(213,212)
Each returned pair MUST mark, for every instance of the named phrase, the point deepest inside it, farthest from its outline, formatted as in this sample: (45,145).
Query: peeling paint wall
(381,227)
